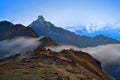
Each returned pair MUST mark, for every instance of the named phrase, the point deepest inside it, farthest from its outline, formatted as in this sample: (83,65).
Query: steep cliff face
(9,31)
(44,64)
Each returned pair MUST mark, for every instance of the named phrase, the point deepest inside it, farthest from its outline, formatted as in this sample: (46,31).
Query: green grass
(29,74)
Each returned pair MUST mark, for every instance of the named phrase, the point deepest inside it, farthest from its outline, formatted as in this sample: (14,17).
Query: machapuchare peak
(40,18)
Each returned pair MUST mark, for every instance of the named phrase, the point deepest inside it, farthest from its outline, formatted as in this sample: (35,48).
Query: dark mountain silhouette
(9,31)
(62,36)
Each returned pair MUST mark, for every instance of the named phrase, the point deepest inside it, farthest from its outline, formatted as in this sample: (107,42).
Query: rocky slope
(46,41)
(61,36)
(44,64)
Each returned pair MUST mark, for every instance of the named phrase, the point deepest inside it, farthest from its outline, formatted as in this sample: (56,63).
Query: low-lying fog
(17,45)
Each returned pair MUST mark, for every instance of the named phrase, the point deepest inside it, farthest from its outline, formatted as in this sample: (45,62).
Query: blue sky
(94,15)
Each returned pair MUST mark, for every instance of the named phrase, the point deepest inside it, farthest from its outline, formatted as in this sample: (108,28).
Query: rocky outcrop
(46,41)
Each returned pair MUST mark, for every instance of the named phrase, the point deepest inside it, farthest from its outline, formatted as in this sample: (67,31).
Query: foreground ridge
(44,64)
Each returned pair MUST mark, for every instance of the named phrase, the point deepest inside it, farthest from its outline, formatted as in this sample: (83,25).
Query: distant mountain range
(92,31)
(41,27)
(65,37)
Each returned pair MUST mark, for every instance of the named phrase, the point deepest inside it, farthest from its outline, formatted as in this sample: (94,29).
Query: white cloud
(109,56)
(18,45)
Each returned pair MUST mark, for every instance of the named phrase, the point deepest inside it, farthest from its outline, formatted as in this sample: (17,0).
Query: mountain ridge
(66,64)
(92,31)
(9,30)
(66,37)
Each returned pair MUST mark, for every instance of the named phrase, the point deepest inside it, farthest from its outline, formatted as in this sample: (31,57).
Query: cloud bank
(92,30)
(17,45)
(109,56)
